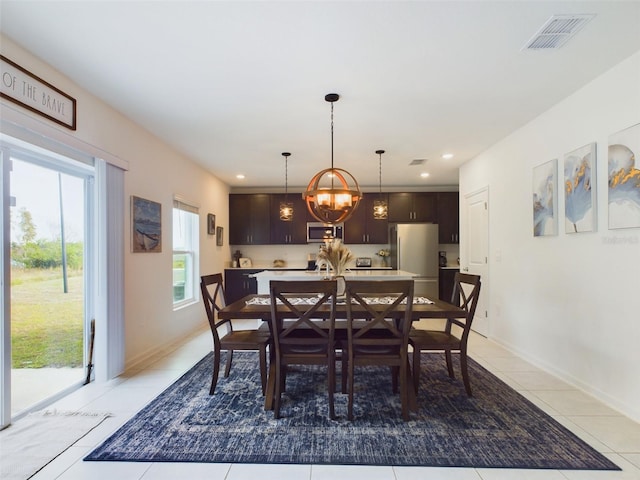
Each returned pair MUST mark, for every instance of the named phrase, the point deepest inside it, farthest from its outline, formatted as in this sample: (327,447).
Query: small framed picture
(219,236)
(211,224)
(146,225)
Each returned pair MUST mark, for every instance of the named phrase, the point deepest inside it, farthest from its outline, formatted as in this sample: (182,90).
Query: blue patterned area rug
(497,427)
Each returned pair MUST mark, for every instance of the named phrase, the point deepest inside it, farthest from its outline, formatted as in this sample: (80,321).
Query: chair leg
(350,389)
(332,386)
(404,397)
(216,370)
(416,369)
(465,372)
(278,385)
(263,369)
(447,355)
(394,379)
(229,360)
(345,373)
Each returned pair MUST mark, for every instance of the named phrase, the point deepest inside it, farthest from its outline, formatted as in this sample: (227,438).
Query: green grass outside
(46,323)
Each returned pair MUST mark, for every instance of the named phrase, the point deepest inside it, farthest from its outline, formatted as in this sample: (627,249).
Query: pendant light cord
(286,174)
(331,135)
(380,175)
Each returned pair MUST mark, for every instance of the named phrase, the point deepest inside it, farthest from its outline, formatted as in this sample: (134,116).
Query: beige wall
(569,302)
(156,172)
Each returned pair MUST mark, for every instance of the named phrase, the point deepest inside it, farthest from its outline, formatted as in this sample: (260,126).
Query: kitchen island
(266,276)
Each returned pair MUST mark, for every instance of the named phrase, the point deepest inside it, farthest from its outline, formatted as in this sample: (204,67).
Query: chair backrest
(214,299)
(295,307)
(466,290)
(385,305)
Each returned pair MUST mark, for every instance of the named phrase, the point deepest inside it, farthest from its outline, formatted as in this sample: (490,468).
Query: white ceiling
(233,84)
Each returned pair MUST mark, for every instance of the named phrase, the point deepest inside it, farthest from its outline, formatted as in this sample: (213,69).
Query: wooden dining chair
(378,323)
(298,337)
(225,337)
(466,290)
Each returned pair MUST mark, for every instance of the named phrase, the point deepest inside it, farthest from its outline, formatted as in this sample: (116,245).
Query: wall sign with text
(24,88)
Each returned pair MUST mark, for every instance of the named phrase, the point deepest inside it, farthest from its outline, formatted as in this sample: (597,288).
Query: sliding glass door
(49,292)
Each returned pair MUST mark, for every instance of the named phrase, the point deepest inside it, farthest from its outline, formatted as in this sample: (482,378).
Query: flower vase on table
(336,256)
(383,254)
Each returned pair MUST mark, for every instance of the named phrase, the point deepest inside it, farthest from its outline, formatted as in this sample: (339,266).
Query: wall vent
(417,161)
(557,31)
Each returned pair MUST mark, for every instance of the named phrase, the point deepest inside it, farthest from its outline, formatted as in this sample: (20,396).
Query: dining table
(258,306)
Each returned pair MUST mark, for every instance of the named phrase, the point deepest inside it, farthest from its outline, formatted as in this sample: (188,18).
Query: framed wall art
(146,225)
(545,204)
(624,178)
(219,236)
(580,190)
(211,224)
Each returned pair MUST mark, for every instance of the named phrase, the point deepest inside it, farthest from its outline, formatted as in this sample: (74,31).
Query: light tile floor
(605,429)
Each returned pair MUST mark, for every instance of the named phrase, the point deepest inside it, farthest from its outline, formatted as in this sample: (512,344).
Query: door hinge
(486,314)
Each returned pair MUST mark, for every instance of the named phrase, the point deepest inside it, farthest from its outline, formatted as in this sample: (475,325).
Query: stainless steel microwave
(318,232)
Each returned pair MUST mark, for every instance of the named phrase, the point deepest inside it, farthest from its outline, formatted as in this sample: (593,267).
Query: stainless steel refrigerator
(414,248)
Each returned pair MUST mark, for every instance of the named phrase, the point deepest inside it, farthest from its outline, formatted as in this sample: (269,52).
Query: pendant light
(286,207)
(380,207)
(333,194)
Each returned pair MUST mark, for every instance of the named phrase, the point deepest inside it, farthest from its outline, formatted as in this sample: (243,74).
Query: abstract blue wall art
(545,204)
(580,190)
(624,178)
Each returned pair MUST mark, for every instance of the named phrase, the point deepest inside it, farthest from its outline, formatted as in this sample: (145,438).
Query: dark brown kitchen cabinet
(239,283)
(362,227)
(295,231)
(249,219)
(412,207)
(449,217)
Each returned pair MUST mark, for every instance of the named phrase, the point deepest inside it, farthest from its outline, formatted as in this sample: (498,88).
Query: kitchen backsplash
(295,256)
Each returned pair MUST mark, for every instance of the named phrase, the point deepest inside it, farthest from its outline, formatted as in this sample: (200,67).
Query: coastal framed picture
(211,224)
(146,225)
(624,178)
(580,190)
(545,202)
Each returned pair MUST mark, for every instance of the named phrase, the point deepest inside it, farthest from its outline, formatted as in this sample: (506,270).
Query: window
(185,253)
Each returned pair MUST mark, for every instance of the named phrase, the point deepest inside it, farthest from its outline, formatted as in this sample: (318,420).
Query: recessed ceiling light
(240,176)
(447,156)
(424,174)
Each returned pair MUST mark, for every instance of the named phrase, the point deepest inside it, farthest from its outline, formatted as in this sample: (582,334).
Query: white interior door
(476,252)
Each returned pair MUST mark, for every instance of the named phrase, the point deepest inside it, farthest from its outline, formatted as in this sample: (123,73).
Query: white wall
(156,172)
(569,303)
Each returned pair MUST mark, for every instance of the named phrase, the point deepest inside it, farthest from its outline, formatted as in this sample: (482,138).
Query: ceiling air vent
(557,31)
(417,161)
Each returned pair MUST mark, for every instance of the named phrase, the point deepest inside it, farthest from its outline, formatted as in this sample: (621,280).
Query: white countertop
(266,276)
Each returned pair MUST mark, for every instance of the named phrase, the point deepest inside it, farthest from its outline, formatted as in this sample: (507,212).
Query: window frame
(191,250)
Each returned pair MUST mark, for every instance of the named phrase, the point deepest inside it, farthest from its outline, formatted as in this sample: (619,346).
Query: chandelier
(380,207)
(333,194)
(286,207)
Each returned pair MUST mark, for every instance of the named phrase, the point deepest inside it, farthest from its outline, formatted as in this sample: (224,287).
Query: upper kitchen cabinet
(249,216)
(412,207)
(449,217)
(362,227)
(295,231)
